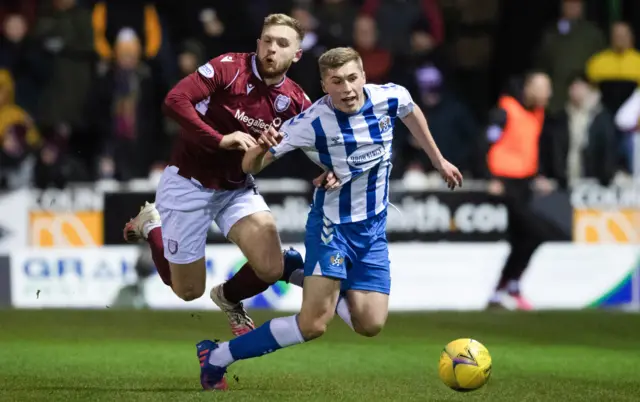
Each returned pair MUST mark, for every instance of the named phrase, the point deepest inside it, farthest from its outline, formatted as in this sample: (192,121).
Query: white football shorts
(187,210)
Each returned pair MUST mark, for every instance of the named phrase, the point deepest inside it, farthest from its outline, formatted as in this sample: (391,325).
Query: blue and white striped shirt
(356,147)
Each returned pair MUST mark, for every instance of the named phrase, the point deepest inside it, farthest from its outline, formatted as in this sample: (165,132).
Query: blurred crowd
(81,81)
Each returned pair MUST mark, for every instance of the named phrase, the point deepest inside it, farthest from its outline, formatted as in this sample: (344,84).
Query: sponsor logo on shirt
(368,154)
(257,125)
(206,70)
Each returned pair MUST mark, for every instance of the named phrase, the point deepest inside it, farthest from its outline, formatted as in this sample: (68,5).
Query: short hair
(283,19)
(578,76)
(531,74)
(338,57)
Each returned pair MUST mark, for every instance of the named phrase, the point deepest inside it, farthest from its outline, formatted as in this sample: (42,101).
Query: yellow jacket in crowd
(12,115)
(617,74)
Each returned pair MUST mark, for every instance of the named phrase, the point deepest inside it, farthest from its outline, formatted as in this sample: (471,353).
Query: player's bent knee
(269,268)
(313,325)
(265,256)
(271,265)
(312,329)
(189,280)
(272,274)
(189,292)
(369,329)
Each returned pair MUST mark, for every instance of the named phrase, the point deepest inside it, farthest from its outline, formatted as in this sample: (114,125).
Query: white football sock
(497,296)
(343,311)
(271,336)
(221,356)
(297,278)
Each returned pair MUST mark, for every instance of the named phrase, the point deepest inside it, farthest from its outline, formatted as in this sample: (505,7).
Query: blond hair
(338,57)
(283,19)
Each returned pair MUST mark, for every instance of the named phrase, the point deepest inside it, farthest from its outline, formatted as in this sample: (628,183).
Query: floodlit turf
(150,356)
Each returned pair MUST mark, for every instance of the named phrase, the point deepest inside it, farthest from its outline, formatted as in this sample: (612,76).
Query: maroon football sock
(157,253)
(243,285)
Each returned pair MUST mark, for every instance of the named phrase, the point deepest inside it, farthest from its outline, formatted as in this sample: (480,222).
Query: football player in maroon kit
(222,109)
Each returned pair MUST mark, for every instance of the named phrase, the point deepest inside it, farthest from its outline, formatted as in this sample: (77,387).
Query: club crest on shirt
(384,123)
(172,245)
(281,103)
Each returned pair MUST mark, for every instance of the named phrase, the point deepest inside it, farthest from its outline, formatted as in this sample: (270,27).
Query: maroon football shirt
(225,95)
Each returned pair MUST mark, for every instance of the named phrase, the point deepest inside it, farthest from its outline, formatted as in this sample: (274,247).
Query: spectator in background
(306,72)
(335,19)
(422,53)
(66,38)
(19,55)
(191,55)
(126,113)
(513,163)
(213,32)
(451,124)
(220,26)
(617,73)
(110,17)
(581,138)
(377,61)
(28,9)
(19,138)
(395,19)
(617,69)
(566,47)
(628,122)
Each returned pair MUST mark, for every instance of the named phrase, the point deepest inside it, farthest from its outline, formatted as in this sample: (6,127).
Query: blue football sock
(269,337)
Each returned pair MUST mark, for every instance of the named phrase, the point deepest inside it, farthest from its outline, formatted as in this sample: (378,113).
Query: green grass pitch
(111,355)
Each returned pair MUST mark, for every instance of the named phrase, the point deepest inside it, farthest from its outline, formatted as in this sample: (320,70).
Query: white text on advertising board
(432,215)
(606,214)
(561,276)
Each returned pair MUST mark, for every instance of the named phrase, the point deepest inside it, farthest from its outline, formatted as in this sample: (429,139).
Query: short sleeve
(297,134)
(405,101)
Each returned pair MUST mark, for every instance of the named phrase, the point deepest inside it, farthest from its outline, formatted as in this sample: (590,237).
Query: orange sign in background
(65,229)
(606,226)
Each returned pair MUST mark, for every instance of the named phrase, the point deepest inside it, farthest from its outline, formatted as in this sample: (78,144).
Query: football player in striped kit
(346,270)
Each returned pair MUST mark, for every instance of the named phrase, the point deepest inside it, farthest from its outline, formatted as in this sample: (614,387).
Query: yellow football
(465,365)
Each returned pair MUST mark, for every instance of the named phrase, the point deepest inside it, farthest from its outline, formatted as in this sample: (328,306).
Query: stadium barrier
(458,276)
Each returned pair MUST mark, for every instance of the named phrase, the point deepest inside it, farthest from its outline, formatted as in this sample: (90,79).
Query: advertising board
(450,276)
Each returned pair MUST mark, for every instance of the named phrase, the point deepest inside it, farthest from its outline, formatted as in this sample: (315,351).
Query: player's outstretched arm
(416,122)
